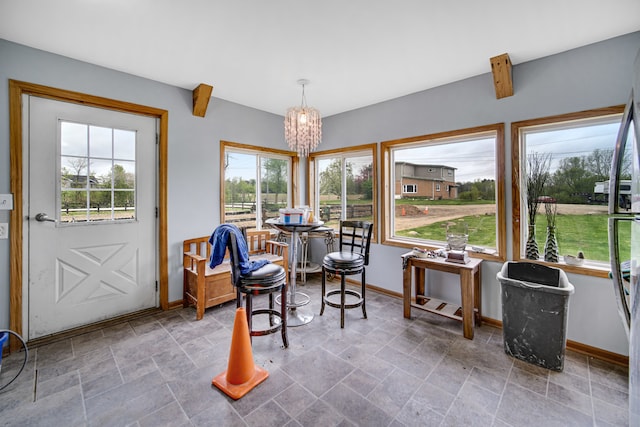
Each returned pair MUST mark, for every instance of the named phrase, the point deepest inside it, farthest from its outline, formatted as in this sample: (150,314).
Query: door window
(97,180)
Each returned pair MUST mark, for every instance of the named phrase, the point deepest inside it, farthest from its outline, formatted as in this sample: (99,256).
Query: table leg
(406,289)
(420,275)
(477,294)
(297,314)
(466,288)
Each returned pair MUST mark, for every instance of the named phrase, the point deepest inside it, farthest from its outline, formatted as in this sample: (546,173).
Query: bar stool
(352,258)
(268,279)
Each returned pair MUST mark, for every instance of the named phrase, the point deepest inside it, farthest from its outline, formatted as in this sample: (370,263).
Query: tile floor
(383,371)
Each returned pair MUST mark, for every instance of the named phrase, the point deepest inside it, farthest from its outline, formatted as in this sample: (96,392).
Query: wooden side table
(469,313)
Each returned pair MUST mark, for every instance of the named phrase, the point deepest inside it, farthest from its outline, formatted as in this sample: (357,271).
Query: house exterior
(434,182)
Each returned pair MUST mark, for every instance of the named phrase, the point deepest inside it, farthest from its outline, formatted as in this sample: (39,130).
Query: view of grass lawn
(586,233)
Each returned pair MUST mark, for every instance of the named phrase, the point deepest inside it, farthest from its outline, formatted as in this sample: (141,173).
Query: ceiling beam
(502,79)
(201,96)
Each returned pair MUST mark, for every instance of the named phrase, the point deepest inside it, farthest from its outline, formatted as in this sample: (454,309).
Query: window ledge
(489,255)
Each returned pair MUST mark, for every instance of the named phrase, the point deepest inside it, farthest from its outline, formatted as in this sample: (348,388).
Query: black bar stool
(268,279)
(352,258)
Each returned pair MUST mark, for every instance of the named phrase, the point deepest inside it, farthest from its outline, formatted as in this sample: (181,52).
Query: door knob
(42,217)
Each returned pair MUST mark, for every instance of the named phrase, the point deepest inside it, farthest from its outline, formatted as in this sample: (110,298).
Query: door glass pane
(73,173)
(124,144)
(100,142)
(73,139)
(124,175)
(90,177)
(124,203)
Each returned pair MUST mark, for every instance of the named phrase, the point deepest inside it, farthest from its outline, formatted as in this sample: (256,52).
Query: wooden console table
(470,289)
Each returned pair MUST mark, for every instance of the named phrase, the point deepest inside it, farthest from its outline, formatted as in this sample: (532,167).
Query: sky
(475,159)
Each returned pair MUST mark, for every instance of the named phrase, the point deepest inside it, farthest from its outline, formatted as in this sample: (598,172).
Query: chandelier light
(303,126)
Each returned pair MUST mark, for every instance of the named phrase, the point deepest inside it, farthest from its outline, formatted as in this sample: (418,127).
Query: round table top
(294,227)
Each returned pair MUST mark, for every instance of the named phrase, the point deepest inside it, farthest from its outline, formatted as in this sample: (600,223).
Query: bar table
(297,313)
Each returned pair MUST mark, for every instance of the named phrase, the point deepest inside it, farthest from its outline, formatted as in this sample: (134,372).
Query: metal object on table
(297,313)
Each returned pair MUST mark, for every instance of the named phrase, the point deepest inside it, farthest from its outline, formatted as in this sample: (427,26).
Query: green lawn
(586,233)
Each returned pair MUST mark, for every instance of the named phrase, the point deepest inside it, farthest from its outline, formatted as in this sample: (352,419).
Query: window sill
(487,256)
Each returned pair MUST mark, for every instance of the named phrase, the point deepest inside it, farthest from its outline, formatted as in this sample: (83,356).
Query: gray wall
(194,143)
(593,76)
(590,77)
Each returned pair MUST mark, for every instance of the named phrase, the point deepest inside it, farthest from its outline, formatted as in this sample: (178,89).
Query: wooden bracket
(502,79)
(201,96)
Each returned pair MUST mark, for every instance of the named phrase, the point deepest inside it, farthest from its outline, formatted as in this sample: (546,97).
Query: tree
(599,163)
(274,177)
(364,182)
(572,180)
(538,165)
(331,178)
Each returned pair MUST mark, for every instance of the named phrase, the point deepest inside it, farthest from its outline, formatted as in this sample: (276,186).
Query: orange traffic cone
(242,375)
(404,212)
(426,210)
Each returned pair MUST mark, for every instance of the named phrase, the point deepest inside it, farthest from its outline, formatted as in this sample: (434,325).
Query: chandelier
(303,126)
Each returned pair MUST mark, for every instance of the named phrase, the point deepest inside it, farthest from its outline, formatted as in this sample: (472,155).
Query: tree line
(117,183)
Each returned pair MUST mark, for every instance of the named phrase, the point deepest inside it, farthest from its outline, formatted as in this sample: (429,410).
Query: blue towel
(219,240)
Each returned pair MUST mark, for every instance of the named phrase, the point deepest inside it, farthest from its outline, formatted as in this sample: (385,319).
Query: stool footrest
(274,328)
(356,294)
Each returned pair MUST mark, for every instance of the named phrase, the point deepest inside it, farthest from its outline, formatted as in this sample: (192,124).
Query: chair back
(355,237)
(234,257)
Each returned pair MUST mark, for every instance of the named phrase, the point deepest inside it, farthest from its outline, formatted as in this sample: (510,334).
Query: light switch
(6,202)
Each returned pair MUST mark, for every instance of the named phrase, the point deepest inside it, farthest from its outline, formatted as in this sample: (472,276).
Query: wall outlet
(4,230)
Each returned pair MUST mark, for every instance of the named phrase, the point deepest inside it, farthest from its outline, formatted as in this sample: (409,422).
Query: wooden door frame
(16,90)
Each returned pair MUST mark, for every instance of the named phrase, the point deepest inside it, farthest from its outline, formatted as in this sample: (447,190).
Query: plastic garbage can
(535,306)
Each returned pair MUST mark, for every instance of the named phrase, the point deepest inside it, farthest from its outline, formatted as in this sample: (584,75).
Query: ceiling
(354,52)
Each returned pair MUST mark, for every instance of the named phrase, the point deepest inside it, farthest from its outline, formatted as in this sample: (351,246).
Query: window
(468,164)
(255,183)
(343,184)
(97,179)
(409,188)
(569,157)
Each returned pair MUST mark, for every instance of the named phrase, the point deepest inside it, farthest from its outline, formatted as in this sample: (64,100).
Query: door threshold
(80,330)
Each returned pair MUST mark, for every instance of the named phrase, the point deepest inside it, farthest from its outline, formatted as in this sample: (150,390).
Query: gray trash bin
(535,305)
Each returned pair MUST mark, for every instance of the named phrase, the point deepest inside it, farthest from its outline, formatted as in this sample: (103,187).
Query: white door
(90,176)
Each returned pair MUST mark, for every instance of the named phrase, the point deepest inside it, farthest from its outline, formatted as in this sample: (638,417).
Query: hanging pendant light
(303,126)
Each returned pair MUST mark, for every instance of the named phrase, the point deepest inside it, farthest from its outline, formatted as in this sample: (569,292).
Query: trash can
(535,305)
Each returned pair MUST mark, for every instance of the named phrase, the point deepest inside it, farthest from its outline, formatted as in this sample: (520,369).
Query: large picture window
(343,184)
(561,179)
(256,183)
(459,178)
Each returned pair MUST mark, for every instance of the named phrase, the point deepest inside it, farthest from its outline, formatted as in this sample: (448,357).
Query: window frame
(519,220)
(260,151)
(388,193)
(312,177)
(91,188)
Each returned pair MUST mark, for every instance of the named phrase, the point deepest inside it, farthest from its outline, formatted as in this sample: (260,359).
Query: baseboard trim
(70,333)
(175,304)
(578,347)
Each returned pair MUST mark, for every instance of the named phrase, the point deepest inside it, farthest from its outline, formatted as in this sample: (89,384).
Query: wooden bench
(205,287)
